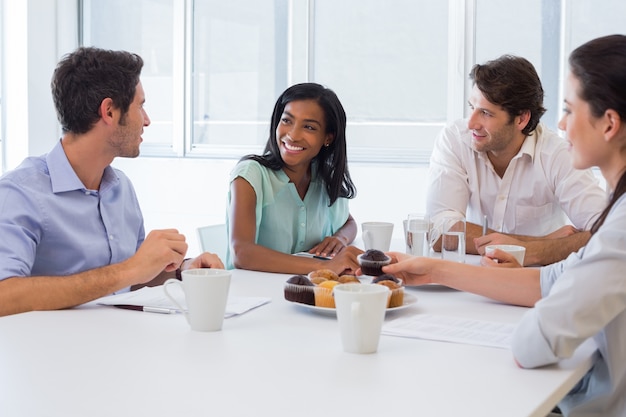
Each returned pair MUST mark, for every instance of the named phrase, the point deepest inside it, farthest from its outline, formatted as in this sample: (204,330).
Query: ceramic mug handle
(172,299)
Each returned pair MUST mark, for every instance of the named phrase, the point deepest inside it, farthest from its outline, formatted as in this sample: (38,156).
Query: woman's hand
(499,259)
(414,270)
(329,247)
(345,262)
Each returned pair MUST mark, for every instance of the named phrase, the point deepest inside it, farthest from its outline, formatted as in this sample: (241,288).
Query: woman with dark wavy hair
(583,296)
(294,197)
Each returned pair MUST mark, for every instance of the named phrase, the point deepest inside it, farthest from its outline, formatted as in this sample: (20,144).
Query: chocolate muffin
(386,277)
(372,261)
(300,289)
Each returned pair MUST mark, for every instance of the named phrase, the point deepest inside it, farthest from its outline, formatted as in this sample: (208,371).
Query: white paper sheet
(155,297)
(451,329)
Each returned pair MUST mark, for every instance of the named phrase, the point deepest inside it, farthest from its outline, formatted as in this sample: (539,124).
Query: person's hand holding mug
(504,256)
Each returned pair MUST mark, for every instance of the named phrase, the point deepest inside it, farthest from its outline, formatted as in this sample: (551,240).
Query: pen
(147,309)
(310,255)
(485,222)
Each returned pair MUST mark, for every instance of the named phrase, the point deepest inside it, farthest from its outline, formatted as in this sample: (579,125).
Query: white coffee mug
(517,251)
(206,294)
(377,235)
(360,313)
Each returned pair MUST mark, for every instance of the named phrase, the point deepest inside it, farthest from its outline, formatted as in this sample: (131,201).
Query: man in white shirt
(503,164)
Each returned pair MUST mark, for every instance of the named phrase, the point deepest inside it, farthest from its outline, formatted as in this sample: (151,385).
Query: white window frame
(461,57)
(300,68)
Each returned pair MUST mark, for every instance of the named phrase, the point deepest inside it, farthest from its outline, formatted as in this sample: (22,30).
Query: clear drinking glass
(417,231)
(453,238)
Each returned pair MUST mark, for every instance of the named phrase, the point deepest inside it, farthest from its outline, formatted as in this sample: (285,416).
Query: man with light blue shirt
(72,230)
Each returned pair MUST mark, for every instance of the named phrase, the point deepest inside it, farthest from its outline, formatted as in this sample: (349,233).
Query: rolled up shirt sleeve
(529,345)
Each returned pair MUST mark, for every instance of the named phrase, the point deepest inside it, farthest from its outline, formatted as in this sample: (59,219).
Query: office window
(146,27)
(544,32)
(239,68)
(214,69)
(367,54)
(590,19)
(534,34)
(389,72)
(384,66)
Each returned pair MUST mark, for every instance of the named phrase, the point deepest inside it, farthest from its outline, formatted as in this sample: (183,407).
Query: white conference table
(280,359)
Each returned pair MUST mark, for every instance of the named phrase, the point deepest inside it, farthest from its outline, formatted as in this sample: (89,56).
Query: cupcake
(396,289)
(318,280)
(348,279)
(324,294)
(300,289)
(372,261)
(323,273)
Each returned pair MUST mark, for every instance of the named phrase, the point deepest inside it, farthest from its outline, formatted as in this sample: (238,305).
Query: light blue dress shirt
(51,225)
(584,297)
(285,222)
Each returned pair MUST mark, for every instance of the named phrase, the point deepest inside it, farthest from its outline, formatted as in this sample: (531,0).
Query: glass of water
(453,238)
(416,232)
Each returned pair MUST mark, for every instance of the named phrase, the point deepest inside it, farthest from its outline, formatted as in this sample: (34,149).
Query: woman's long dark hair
(332,161)
(600,67)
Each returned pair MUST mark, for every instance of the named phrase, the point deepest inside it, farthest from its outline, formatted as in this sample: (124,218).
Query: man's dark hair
(85,77)
(512,83)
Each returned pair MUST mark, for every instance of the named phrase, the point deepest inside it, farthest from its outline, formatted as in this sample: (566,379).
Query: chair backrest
(213,239)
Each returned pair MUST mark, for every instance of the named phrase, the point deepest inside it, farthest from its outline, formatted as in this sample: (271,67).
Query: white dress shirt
(538,193)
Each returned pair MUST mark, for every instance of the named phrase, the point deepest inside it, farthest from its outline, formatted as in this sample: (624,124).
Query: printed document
(452,329)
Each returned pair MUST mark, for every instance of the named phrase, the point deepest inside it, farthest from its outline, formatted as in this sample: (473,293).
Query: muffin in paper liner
(300,289)
(348,279)
(372,261)
(324,294)
(323,273)
(318,280)
(396,289)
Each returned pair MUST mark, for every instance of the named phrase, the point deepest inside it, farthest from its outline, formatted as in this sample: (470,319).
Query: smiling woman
(301,133)
(294,197)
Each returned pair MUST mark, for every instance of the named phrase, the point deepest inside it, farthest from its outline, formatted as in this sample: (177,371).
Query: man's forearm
(22,294)
(548,251)
(540,250)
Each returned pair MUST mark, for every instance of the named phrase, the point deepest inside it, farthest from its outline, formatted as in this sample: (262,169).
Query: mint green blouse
(285,222)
